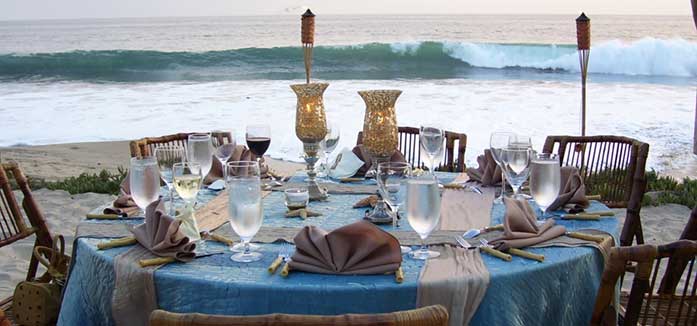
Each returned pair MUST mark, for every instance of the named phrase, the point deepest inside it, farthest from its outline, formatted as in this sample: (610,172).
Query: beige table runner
(134,296)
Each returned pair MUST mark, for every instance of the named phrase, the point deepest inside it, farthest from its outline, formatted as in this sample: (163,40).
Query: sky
(68,9)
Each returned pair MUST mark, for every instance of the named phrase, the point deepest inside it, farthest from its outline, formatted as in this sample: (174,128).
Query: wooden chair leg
(33,266)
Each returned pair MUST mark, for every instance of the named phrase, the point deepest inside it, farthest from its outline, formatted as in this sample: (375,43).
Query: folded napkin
(520,228)
(573,192)
(124,204)
(488,173)
(367,160)
(241,153)
(161,235)
(346,165)
(358,248)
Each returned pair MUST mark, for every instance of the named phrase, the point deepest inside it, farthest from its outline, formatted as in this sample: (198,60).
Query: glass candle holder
(310,120)
(296,198)
(380,137)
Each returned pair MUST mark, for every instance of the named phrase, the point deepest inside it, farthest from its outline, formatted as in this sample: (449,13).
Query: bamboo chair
(642,305)
(146,146)
(613,167)
(12,224)
(409,146)
(427,316)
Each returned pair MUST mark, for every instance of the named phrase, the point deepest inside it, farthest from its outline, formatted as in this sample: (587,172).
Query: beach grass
(104,182)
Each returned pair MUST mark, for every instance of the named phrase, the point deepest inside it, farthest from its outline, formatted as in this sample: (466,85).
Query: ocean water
(116,79)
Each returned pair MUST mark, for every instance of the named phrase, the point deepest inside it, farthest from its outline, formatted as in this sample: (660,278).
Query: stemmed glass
(515,161)
(200,150)
(187,178)
(258,140)
(223,151)
(497,142)
(144,179)
(245,205)
(391,178)
(431,142)
(423,211)
(545,180)
(329,143)
(167,156)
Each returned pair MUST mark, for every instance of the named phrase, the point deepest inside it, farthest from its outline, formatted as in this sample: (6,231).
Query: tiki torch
(583,40)
(308,40)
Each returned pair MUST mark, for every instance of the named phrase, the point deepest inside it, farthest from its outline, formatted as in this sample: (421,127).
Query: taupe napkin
(124,204)
(573,192)
(488,173)
(358,248)
(520,228)
(363,155)
(241,153)
(160,234)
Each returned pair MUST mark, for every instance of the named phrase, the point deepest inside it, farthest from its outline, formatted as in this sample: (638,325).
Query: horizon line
(334,14)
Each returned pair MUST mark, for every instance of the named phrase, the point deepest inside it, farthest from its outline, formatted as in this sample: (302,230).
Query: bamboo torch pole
(308,40)
(583,38)
(694,139)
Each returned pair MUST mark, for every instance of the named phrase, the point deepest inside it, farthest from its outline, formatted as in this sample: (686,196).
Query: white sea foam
(648,56)
(661,115)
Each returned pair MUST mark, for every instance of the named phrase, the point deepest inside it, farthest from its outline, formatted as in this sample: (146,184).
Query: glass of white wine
(545,180)
(423,211)
(245,205)
(187,181)
(144,179)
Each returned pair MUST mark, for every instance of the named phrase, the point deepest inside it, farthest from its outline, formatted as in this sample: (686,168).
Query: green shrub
(668,190)
(104,182)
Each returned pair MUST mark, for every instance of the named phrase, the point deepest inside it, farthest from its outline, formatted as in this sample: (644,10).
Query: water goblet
(431,143)
(245,205)
(200,150)
(223,151)
(144,179)
(328,145)
(515,163)
(497,142)
(423,211)
(545,180)
(391,178)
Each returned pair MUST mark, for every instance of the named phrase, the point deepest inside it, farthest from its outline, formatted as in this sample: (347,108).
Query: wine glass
(329,143)
(223,151)
(258,140)
(187,178)
(144,179)
(167,156)
(245,205)
(515,161)
(391,178)
(431,142)
(497,142)
(200,150)
(545,180)
(423,211)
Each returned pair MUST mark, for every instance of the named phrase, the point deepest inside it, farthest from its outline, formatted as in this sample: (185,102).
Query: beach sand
(64,211)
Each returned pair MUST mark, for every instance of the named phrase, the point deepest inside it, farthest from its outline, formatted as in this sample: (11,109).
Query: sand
(63,211)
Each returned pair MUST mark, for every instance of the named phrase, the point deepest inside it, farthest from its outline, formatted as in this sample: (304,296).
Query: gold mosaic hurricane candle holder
(311,128)
(380,140)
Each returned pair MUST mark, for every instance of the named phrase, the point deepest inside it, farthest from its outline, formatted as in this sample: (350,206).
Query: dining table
(557,291)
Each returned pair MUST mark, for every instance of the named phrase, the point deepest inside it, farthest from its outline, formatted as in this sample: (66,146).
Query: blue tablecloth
(560,291)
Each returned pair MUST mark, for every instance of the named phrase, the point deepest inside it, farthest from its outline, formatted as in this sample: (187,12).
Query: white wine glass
(200,150)
(245,205)
(329,144)
(223,151)
(187,178)
(515,163)
(167,156)
(431,142)
(391,178)
(144,179)
(423,211)
(497,142)
(545,180)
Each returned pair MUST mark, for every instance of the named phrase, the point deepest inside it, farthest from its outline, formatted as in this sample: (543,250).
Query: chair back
(146,146)
(453,159)
(427,316)
(613,167)
(647,303)
(12,223)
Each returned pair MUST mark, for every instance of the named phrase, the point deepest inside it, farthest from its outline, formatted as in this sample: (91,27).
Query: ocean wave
(648,57)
